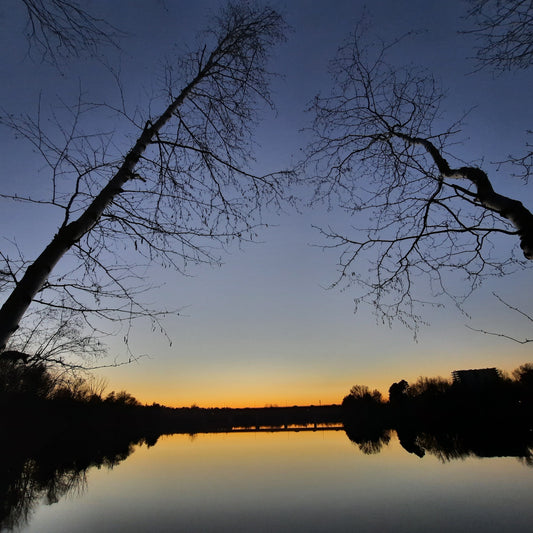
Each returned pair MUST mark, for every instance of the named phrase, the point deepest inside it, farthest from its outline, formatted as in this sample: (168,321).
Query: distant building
(480,377)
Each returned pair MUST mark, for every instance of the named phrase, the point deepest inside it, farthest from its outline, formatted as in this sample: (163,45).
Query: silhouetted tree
(504,30)
(58,338)
(363,406)
(381,153)
(430,399)
(361,393)
(524,374)
(182,186)
(398,392)
(122,398)
(19,381)
(433,387)
(59,29)
(79,388)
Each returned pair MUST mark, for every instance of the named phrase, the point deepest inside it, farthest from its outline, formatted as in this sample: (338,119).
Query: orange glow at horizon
(240,398)
(272,390)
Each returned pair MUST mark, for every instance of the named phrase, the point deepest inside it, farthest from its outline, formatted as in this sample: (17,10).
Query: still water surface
(292,481)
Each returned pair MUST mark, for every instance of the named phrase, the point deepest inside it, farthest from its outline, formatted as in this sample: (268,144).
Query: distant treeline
(33,398)
(54,428)
(33,392)
(477,393)
(57,403)
(476,413)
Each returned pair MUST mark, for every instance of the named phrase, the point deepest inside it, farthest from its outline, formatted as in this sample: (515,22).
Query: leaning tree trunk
(513,210)
(37,273)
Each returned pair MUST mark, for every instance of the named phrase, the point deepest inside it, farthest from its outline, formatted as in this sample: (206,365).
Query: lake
(308,481)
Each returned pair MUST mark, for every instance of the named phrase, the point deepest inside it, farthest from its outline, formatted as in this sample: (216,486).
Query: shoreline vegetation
(481,413)
(35,399)
(54,430)
(35,392)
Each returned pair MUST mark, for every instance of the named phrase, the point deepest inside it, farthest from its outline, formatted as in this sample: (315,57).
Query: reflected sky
(316,481)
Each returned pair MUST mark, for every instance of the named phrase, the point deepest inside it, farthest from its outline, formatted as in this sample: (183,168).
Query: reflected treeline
(54,429)
(47,447)
(369,437)
(40,465)
(474,440)
(478,413)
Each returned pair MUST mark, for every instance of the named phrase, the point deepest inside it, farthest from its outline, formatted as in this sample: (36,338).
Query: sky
(263,329)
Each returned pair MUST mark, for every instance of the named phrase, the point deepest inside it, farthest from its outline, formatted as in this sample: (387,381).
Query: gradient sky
(263,329)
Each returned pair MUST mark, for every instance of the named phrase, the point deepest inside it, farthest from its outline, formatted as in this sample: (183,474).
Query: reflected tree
(449,444)
(32,474)
(369,438)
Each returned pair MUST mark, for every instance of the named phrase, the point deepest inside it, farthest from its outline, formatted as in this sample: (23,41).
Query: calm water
(290,481)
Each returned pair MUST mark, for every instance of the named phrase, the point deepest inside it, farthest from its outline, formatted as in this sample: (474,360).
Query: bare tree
(181,188)
(504,30)
(517,312)
(58,338)
(378,153)
(58,29)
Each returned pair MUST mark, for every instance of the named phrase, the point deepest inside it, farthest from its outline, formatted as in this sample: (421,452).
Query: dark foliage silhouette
(480,413)
(47,468)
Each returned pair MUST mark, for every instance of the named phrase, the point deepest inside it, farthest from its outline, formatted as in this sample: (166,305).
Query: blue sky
(263,328)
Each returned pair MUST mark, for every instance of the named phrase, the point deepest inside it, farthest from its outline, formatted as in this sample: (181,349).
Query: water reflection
(473,441)
(448,443)
(369,438)
(43,471)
